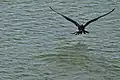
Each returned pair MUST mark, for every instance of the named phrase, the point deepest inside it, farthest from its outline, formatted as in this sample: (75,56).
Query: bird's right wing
(69,19)
(98,18)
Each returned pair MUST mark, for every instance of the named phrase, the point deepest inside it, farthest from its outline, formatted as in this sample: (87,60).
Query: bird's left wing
(69,19)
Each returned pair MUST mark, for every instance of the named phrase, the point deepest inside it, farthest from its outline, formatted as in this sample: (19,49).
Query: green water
(36,44)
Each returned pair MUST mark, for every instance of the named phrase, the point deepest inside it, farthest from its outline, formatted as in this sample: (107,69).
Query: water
(36,44)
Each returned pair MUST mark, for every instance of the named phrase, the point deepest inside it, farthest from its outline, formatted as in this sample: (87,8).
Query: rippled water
(36,44)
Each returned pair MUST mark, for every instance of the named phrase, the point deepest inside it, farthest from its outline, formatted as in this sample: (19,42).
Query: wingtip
(51,8)
(113,9)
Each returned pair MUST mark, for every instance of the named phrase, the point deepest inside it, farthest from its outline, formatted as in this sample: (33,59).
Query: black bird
(81,28)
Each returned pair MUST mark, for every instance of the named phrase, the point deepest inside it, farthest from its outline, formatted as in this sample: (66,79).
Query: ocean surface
(37,44)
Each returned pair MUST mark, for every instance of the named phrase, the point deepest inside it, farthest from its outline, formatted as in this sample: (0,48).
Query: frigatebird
(81,28)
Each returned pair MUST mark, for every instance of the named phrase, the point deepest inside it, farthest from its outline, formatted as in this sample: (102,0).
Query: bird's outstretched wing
(98,18)
(69,19)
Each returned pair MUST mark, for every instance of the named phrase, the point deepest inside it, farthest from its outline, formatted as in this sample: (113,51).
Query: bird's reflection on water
(68,60)
(64,53)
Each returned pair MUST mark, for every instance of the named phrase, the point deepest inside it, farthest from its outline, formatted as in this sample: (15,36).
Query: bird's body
(81,28)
